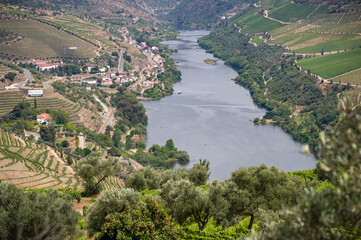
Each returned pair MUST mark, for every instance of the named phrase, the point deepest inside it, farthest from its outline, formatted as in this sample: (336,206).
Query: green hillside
(292,12)
(40,41)
(328,66)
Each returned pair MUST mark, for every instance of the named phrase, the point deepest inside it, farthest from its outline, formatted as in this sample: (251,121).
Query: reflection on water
(211,118)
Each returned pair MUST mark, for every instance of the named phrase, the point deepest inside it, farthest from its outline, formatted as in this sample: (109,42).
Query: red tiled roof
(45,116)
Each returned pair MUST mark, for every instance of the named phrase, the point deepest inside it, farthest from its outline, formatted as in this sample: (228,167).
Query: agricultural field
(40,41)
(258,40)
(87,30)
(258,24)
(27,165)
(332,65)
(292,12)
(112,183)
(353,77)
(303,38)
(270,4)
(8,99)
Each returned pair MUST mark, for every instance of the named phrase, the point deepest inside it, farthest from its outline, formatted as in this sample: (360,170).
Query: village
(137,80)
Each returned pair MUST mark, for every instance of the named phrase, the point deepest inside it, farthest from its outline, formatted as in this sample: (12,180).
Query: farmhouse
(76,79)
(106,81)
(90,81)
(44,117)
(35,135)
(42,65)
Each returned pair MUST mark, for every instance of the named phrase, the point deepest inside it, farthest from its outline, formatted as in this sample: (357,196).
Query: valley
(180,119)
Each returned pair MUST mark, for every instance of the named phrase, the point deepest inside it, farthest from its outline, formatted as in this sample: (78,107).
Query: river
(211,119)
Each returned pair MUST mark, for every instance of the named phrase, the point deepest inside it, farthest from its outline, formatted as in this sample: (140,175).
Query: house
(106,81)
(103,69)
(44,117)
(35,135)
(42,65)
(76,79)
(148,84)
(90,81)
(155,49)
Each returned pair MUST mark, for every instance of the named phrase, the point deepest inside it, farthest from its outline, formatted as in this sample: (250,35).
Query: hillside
(196,14)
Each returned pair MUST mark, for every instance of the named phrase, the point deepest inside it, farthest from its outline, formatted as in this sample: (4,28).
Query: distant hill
(194,13)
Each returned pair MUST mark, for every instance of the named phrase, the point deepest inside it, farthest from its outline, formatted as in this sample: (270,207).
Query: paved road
(46,84)
(22,84)
(121,60)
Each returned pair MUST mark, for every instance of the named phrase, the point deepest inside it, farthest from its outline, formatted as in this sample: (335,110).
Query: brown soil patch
(5,162)
(312,42)
(8,175)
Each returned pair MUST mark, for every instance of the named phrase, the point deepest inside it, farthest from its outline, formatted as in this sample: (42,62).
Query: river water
(211,118)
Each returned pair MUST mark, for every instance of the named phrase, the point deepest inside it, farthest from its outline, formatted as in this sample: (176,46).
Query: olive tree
(34,215)
(185,200)
(267,188)
(110,201)
(92,169)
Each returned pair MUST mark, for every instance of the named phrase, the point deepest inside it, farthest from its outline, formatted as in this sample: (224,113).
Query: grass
(258,23)
(333,44)
(258,40)
(292,12)
(306,39)
(41,40)
(354,27)
(352,78)
(328,66)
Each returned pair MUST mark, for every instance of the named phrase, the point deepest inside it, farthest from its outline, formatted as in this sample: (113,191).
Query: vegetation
(333,212)
(328,66)
(150,221)
(42,41)
(93,170)
(33,215)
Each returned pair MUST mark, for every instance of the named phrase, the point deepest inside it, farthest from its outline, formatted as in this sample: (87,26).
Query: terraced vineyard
(30,166)
(112,183)
(8,99)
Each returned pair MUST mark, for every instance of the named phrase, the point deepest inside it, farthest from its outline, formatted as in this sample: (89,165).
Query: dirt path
(309,15)
(135,164)
(273,19)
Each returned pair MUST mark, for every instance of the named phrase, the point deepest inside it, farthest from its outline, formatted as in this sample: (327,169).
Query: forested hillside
(197,13)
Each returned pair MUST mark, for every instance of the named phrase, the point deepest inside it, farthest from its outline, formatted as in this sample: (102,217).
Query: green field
(329,66)
(41,40)
(292,12)
(258,23)
(352,78)
(307,39)
(258,40)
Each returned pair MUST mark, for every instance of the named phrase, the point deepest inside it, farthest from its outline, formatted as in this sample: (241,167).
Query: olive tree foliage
(92,169)
(110,201)
(267,188)
(335,212)
(34,215)
(186,200)
(149,178)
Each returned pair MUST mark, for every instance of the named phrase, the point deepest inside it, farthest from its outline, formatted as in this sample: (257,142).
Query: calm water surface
(211,118)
